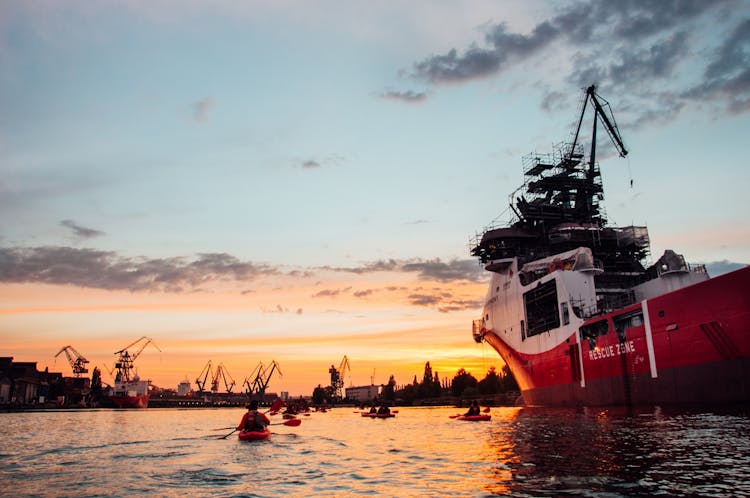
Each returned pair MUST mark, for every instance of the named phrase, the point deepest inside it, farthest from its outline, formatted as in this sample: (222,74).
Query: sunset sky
(248,181)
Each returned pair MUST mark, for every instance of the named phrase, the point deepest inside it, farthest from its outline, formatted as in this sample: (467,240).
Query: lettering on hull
(611,350)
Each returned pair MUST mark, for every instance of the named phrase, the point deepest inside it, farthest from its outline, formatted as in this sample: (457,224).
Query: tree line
(462,385)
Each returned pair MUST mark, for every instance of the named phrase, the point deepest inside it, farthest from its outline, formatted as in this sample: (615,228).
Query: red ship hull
(129,401)
(689,346)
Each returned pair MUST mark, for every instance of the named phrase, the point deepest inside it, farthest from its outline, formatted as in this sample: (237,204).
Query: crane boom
(76,360)
(262,377)
(124,365)
(337,376)
(205,374)
(607,118)
(221,374)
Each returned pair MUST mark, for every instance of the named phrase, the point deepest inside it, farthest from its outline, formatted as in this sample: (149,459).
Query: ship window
(565,313)
(541,308)
(593,330)
(523,330)
(627,321)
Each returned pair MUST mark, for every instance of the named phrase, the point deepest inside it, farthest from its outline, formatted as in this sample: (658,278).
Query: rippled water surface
(420,452)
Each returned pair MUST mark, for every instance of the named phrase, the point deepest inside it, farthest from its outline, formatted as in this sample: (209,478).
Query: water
(420,452)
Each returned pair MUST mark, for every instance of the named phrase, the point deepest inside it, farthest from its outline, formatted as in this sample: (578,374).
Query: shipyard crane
(337,377)
(254,375)
(203,377)
(603,113)
(125,361)
(262,375)
(76,360)
(220,374)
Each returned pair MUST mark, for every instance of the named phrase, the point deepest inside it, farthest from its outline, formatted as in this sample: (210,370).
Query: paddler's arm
(242,422)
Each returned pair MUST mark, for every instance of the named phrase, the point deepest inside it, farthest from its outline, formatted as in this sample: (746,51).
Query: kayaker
(473,409)
(253,420)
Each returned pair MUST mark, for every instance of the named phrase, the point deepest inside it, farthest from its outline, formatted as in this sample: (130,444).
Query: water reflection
(422,452)
(622,452)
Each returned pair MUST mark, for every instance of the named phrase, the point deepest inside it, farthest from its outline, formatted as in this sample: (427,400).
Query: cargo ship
(578,315)
(129,390)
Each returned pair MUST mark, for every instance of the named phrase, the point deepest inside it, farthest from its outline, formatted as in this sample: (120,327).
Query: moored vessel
(581,319)
(129,390)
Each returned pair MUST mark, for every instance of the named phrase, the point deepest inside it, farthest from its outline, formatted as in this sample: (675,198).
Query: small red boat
(254,435)
(474,418)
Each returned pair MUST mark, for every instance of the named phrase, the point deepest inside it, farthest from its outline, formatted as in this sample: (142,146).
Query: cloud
(454,270)
(716,268)
(280,309)
(655,52)
(202,109)
(408,96)
(106,270)
(79,231)
(444,302)
(331,292)
(465,269)
(313,163)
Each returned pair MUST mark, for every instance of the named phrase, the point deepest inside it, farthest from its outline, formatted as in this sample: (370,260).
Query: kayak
(474,418)
(254,435)
(378,415)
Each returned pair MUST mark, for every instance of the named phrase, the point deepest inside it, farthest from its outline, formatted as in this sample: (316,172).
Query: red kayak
(254,435)
(474,418)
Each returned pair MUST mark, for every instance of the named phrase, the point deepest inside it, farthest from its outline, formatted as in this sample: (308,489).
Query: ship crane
(125,361)
(603,113)
(76,360)
(203,377)
(221,374)
(337,377)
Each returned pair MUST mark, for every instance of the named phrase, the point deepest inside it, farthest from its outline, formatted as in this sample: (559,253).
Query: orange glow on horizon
(305,325)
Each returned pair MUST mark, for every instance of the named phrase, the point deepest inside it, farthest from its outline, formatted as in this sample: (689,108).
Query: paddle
(486,410)
(227,435)
(291,423)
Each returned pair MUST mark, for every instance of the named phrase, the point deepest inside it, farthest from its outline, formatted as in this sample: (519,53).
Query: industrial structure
(258,379)
(221,374)
(337,378)
(129,390)
(76,360)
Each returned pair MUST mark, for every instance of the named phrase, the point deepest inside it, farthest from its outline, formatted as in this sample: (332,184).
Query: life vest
(254,422)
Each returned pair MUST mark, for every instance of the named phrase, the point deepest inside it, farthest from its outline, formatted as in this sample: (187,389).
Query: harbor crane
(76,360)
(220,374)
(337,377)
(203,377)
(261,375)
(125,361)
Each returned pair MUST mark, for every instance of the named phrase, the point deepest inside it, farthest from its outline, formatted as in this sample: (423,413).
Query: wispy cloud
(408,96)
(80,231)
(107,270)
(332,292)
(443,301)
(435,269)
